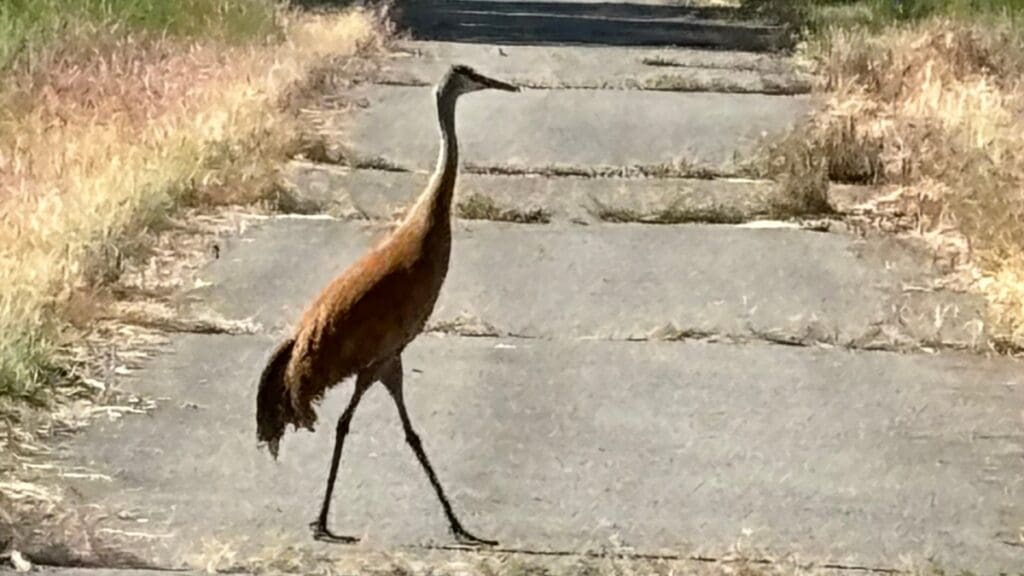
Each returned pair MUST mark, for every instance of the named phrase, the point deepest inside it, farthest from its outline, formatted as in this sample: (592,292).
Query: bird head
(461,79)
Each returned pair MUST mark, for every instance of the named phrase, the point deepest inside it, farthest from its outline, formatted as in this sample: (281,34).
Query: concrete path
(591,379)
(573,128)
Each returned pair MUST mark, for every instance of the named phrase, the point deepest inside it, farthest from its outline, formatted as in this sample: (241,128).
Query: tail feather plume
(274,409)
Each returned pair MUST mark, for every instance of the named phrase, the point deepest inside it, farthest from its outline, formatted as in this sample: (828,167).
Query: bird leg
(319,526)
(391,377)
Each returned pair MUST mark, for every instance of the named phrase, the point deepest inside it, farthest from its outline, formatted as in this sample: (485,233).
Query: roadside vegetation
(114,116)
(923,98)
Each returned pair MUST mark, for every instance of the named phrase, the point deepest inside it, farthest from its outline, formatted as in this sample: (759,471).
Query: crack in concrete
(625,555)
(676,170)
(468,327)
(471,327)
(660,61)
(482,207)
(164,317)
(372,163)
(681,169)
(771,85)
(676,213)
(208,326)
(807,339)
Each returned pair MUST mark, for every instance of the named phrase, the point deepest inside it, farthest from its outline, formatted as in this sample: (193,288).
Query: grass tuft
(675,213)
(480,207)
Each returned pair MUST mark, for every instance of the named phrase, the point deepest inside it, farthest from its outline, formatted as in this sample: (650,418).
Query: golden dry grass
(99,146)
(934,109)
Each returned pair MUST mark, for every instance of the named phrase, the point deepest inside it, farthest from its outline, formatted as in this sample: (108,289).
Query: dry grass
(99,146)
(481,207)
(934,109)
(674,213)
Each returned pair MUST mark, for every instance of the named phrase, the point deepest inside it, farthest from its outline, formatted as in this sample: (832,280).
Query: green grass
(28,27)
(27,368)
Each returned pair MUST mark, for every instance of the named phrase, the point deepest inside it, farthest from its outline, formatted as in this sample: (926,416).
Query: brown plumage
(362,321)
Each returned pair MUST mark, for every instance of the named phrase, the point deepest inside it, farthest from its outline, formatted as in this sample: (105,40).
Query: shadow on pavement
(589,23)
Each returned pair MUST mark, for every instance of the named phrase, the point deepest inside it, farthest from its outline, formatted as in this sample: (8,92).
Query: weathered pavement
(591,379)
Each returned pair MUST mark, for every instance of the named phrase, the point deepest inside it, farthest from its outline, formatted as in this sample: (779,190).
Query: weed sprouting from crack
(675,213)
(480,207)
(680,169)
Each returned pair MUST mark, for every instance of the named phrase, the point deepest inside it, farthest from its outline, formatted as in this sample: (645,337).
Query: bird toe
(465,538)
(322,534)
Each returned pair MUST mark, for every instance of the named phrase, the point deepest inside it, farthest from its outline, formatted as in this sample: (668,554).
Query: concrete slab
(864,459)
(378,194)
(584,23)
(603,67)
(567,127)
(623,282)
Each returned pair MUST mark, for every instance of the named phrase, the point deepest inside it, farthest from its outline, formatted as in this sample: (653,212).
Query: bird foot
(322,534)
(466,539)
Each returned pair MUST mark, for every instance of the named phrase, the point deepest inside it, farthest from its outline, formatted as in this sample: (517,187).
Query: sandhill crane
(362,321)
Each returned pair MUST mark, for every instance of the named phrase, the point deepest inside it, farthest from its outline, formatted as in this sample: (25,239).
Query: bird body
(367,314)
(362,321)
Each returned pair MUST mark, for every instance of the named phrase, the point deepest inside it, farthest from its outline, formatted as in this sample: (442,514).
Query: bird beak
(497,84)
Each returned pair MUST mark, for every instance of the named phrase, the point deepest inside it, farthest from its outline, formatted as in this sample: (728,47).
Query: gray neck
(443,182)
